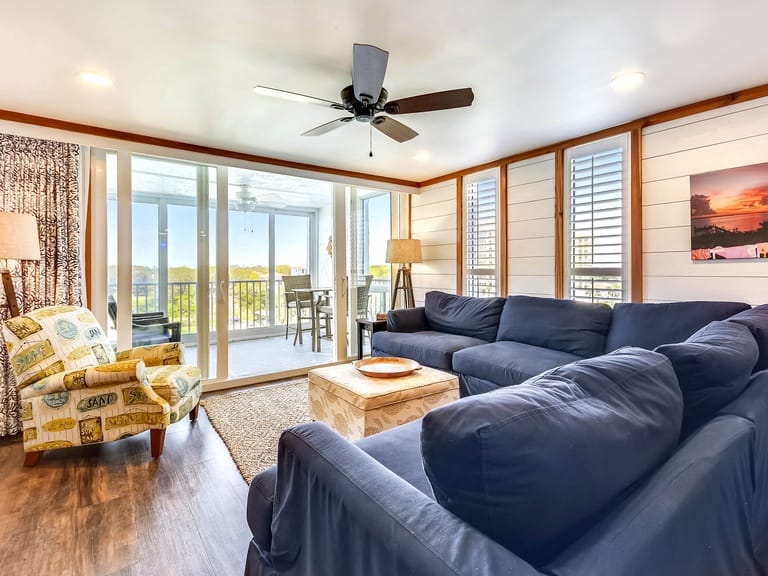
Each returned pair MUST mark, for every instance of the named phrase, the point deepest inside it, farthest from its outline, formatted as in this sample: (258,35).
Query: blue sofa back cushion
(651,325)
(464,315)
(756,320)
(713,367)
(533,466)
(566,325)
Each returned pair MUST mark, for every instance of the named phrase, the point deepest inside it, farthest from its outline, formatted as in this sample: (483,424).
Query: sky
(248,234)
(735,190)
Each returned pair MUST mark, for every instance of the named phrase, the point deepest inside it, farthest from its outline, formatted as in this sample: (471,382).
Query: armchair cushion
(157,355)
(534,465)
(54,339)
(90,377)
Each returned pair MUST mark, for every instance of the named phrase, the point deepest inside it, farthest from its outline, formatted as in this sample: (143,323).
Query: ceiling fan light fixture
(627,81)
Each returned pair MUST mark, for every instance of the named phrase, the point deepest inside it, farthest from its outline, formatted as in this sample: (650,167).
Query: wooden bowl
(386,367)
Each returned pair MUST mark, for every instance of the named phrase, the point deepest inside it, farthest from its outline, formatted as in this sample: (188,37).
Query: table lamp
(404,252)
(18,241)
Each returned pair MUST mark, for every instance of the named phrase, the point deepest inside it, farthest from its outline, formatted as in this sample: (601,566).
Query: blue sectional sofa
(494,342)
(631,463)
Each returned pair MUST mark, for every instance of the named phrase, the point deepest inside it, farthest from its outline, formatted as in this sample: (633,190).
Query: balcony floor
(261,356)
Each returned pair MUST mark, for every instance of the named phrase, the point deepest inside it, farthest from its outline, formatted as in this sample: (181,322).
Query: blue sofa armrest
(339,511)
(407,320)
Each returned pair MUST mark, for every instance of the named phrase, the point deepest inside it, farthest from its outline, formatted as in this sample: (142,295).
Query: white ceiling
(540,70)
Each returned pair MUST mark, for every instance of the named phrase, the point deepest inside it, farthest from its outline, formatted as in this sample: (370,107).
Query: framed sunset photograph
(729,213)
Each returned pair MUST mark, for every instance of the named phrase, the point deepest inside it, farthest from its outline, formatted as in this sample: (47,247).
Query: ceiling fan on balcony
(368,101)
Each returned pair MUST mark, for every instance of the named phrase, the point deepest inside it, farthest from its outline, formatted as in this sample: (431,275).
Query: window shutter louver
(480,239)
(596,184)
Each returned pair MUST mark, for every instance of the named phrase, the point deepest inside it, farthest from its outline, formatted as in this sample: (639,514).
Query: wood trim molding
(503,231)
(707,105)
(636,216)
(67,126)
(559,223)
(460,236)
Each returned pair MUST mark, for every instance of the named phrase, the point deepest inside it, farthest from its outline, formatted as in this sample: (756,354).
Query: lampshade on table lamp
(404,252)
(18,241)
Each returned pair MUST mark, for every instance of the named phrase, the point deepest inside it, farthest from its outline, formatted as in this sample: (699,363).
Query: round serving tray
(386,367)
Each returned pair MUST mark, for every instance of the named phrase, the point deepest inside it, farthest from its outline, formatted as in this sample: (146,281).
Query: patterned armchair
(75,390)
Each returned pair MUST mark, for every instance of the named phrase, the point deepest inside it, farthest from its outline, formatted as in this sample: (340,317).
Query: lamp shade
(18,237)
(404,251)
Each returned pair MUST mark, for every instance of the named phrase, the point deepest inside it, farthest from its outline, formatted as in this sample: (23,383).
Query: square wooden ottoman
(356,405)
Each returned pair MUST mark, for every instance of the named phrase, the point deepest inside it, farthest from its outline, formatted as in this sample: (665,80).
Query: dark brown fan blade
(369,64)
(429,102)
(295,96)
(328,126)
(394,129)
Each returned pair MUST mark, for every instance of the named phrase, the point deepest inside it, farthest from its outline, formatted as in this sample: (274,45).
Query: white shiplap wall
(434,221)
(531,226)
(724,138)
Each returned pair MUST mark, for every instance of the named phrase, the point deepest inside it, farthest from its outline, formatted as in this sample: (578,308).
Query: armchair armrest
(407,320)
(155,355)
(339,511)
(90,377)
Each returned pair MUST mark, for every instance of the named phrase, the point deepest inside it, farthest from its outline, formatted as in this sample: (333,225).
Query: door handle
(220,295)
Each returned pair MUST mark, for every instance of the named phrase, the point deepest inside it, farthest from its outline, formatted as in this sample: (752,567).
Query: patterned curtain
(40,177)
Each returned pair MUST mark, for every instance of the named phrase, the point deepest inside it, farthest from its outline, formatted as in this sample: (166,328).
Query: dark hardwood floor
(110,509)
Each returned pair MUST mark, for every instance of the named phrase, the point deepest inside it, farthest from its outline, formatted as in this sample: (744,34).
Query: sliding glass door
(208,251)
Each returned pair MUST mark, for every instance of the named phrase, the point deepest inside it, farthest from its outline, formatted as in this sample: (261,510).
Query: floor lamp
(19,240)
(404,252)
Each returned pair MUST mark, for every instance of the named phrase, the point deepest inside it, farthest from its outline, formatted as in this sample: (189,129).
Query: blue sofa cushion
(507,363)
(713,367)
(464,315)
(565,325)
(428,347)
(756,319)
(534,465)
(651,325)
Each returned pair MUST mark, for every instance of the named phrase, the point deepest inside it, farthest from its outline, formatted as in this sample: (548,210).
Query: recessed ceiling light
(422,156)
(627,81)
(95,79)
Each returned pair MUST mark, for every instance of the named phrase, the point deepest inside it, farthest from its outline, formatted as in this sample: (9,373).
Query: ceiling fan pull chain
(370,140)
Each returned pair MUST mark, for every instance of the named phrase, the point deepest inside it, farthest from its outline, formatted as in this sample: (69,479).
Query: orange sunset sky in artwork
(740,190)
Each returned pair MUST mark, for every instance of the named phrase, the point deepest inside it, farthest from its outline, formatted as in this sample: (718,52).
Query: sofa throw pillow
(533,466)
(565,325)
(713,367)
(464,315)
(651,325)
(756,320)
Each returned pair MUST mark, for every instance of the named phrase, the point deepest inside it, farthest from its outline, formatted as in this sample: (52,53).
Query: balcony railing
(248,303)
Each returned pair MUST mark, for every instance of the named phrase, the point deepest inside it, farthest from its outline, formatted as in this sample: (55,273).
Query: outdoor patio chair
(297,304)
(147,327)
(74,390)
(324,309)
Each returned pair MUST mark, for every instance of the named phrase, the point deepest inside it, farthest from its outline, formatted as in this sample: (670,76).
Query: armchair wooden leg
(32,458)
(193,412)
(157,439)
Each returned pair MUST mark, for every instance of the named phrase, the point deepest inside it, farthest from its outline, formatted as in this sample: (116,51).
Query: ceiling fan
(368,102)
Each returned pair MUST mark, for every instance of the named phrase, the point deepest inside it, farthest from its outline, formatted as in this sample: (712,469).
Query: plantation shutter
(480,238)
(596,226)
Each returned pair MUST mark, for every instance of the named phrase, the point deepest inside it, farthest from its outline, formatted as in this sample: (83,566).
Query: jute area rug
(250,422)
